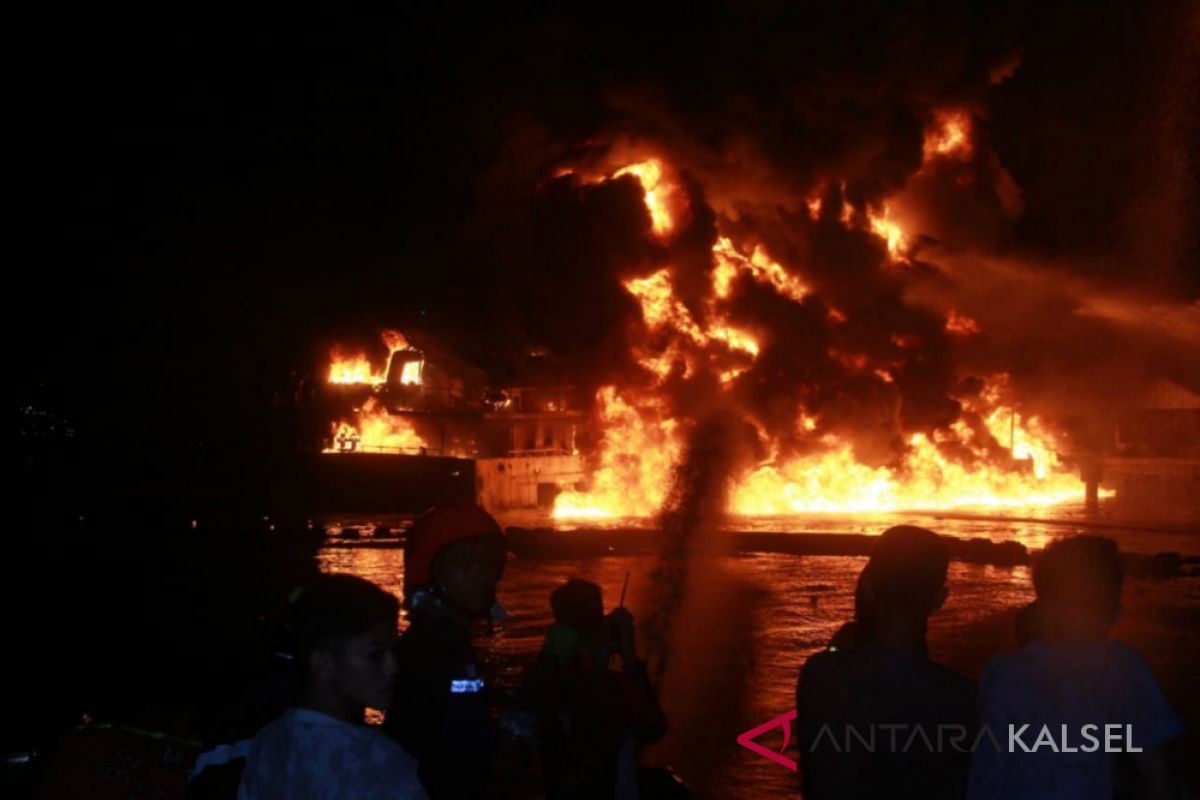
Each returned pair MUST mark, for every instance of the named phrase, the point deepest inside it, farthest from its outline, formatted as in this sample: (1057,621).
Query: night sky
(204,204)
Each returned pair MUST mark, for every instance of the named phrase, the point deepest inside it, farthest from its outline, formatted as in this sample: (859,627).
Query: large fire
(640,445)
(1003,460)
(357,369)
(372,428)
(991,456)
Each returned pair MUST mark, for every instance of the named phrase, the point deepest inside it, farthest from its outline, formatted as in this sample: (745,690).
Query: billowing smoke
(797,130)
(694,509)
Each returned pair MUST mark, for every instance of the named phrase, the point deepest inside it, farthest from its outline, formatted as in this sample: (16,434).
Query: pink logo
(746,740)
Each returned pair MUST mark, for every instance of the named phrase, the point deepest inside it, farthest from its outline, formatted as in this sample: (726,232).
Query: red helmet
(443,524)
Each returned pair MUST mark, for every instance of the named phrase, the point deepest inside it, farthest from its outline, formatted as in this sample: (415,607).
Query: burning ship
(421,414)
(846,371)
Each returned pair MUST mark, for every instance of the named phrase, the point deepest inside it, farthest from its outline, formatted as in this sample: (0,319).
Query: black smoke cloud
(759,108)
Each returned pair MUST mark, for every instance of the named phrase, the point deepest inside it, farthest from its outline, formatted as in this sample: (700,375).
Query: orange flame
(883,226)
(729,261)
(662,310)
(1008,462)
(375,430)
(357,369)
(661,196)
(814,207)
(835,482)
(640,446)
(959,325)
(948,136)
(660,307)
(639,450)
(650,174)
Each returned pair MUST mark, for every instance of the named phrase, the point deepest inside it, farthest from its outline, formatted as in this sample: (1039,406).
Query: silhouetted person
(1068,676)
(441,712)
(1027,627)
(590,717)
(875,717)
(854,632)
(346,628)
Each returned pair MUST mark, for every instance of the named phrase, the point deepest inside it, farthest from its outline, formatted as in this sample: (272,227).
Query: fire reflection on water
(762,615)
(789,608)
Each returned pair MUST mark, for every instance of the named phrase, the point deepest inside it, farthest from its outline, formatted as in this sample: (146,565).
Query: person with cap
(453,559)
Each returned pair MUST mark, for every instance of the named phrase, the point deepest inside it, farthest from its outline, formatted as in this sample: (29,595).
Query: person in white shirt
(346,628)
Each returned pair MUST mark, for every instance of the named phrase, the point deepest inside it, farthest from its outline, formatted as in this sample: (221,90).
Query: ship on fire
(423,411)
(855,386)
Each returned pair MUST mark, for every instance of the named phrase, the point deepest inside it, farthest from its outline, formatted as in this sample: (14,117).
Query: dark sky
(203,204)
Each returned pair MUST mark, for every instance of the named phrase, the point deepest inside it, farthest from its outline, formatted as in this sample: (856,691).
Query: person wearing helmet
(453,559)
